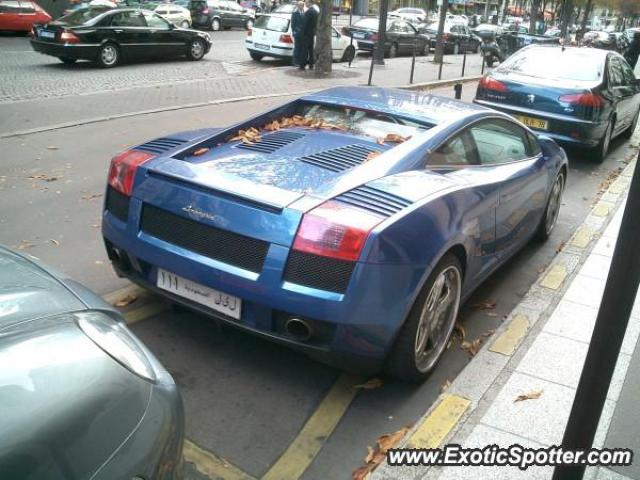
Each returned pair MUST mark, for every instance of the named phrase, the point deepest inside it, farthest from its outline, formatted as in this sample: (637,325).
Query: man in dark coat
(310,26)
(297,30)
(634,50)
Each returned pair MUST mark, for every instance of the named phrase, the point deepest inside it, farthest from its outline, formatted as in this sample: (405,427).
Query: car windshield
(275,24)
(359,122)
(367,23)
(410,10)
(82,15)
(570,64)
(288,8)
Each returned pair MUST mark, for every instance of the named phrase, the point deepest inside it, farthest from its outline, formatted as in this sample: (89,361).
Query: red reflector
(68,37)
(123,169)
(584,99)
(335,230)
(286,38)
(205,11)
(489,83)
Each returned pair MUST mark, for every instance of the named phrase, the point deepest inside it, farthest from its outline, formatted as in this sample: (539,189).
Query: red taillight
(489,83)
(123,169)
(286,38)
(583,99)
(205,11)
(69,37)
(335,230)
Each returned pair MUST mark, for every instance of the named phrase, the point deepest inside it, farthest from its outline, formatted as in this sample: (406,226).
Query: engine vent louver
(271,142)
(342,158)
(374,200)
(160,145)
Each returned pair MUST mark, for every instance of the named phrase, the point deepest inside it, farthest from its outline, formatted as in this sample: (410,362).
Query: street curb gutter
(471,390)
(416,86)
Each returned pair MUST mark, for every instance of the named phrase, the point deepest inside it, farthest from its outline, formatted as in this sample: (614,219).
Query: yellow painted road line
(123,292)
(511,337)
(146,311)
(299,455)
(582,237)
(212,466)
(439,423)
(554,277)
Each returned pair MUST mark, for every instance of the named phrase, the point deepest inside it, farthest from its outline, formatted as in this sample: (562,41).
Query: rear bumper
(277,51)
(564,130)
(77,51)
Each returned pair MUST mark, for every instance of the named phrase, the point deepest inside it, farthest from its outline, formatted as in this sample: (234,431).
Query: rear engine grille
(271,142)
(374,200)
(228,247)
(319,272)
(342,158)
(160,145)
(117,204)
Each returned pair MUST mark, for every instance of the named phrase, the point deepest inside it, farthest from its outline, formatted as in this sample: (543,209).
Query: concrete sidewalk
(539,352)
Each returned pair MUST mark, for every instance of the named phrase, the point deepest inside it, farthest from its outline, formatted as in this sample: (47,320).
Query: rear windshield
(572,64)
(82,15)
(275,24)
(367,23)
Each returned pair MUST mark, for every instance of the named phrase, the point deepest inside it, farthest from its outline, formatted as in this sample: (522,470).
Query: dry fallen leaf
(46,178)
(24,244)
(371,384)
(51,147)
(99,262)
(533,395)
(373,155)
(54,241)
(90,196)
(390,440)
(363,473)
(376,455)
(485,305)
(472,348)
(445,386)
(560,247)
(460,332)
(127,300)
(200,151)
(370,454)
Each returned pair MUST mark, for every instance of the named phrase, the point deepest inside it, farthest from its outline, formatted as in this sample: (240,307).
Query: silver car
(81,396)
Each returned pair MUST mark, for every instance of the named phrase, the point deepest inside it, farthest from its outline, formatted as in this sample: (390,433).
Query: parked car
(271,37)
(323,233)
(413,15)
(107,37)
(577,96)
(218,14)
(457,38)
(179,16)
(81,396)
(401,37)
(600,39)
(20,15)
(553,32)
(487,30)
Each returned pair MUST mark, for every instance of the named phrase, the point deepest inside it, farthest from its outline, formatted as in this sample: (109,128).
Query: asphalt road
(246,399)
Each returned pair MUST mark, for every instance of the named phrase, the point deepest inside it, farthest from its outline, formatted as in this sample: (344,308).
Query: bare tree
(535,10)
(323,40)
(437,56)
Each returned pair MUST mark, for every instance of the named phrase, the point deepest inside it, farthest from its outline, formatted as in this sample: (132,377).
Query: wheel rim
(185,24)
(553,209)
(437,318)
(215,25)
(109,54)
(393,51)
(605,141)
(456,49)
(197,49)
(249,24)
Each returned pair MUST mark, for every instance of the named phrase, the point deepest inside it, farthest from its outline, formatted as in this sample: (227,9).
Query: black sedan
(109,36)
(400,38)
(577,96)
(457,38)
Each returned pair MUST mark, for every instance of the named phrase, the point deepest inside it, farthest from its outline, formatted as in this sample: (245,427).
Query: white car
(179,16)
(271,37)
(413,15)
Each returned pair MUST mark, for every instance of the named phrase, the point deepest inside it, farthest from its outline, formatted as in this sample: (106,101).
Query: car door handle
(117,30)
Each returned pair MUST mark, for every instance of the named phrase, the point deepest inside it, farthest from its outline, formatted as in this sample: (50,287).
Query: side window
(395,27)
(9,6)
(500,141)
(627,72)
(27,7)
(616,74)
(128,19)
(534,145)
(155,21)
(457,151)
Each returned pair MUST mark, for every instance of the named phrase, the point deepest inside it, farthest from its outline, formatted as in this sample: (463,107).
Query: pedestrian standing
(310,27)
(297,30)
(634,50)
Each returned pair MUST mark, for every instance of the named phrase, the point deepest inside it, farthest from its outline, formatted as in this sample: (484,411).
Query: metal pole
(464,58)
(608,333)
(413,60)
(351,35)
(482,70)
(457,88)
(440,70)
(373,56)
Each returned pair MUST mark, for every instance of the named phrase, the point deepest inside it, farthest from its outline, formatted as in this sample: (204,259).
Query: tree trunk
(535,7)
(567,13)
(323,40)
(437,56)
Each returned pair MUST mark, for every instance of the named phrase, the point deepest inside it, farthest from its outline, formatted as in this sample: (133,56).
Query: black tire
(403,361)
(216,25)
(67,60)
(249,24)
(552,209)
(349,54)
(256,56)
(425,49)
(629,131)
(489,62)
(599,153)
(196,50)
(108,55)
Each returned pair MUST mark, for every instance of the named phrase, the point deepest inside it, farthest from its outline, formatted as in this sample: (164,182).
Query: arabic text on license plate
(263,46)
(534,122)
(45,34)
(358,35)
(214,299)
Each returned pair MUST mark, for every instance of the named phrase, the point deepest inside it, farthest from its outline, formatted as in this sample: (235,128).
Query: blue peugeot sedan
(350,223)
(578,96)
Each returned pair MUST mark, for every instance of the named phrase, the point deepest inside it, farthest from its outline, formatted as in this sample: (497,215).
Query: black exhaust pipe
(298,329)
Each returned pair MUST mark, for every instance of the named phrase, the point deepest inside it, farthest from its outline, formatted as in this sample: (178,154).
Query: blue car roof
(417,106)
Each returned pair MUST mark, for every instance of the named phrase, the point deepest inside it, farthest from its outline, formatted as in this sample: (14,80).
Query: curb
(416,86)
(474,388)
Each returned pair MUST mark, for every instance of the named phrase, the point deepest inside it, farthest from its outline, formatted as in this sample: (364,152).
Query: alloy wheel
(109,55)
(553,207)
(197,49)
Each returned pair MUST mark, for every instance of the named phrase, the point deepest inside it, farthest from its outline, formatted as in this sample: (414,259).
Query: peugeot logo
(531,98)
(199,213)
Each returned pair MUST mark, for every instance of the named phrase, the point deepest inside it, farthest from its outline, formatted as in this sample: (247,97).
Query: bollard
(464,60)
(458,89)
(440,70)
(373,56)
(482,71)
(413,61)
(351,44)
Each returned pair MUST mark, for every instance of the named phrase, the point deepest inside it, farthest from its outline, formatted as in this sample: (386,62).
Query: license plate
(358,35)
(45,34)
(263,46)
(533,122)
(210,297)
